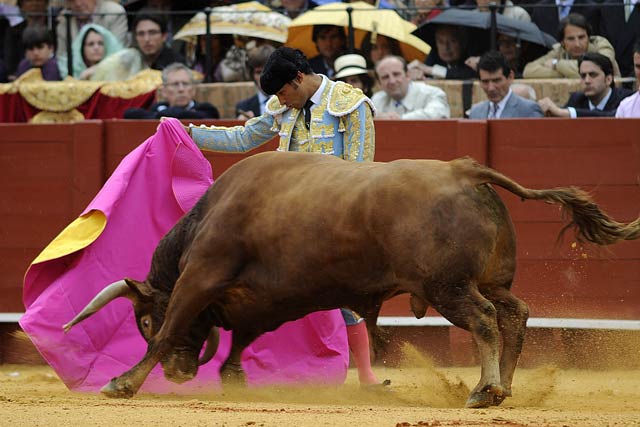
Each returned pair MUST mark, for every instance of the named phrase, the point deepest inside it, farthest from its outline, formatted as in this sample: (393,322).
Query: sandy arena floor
(420,395)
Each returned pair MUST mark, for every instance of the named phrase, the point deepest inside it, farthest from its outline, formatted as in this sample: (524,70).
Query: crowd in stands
(597,41)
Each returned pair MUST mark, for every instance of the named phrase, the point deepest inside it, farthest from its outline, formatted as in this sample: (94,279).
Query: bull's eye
(145,324)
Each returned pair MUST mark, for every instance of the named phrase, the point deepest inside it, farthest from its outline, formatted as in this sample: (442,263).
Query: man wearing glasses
(150,34)
(178,92)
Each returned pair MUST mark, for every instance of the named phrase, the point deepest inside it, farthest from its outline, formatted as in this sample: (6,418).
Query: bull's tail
(589,222)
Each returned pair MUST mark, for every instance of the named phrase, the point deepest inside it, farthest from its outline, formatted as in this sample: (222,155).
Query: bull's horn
(108,294)
(212,346)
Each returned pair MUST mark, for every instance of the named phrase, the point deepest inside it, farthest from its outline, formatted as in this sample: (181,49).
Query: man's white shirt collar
(316,98)
(602,103)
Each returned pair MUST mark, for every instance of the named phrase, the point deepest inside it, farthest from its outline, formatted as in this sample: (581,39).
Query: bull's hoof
(116,391)
(179,377)
(383,386)
(233,377)
(490,395)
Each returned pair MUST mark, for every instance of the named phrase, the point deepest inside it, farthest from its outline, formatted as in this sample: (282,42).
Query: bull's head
(150,306)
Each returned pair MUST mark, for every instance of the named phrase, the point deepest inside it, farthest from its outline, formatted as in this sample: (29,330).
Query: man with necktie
(547,14)
(630,106)
(495,80)
(401,98)
(310,113)
(620,24)
(599,96)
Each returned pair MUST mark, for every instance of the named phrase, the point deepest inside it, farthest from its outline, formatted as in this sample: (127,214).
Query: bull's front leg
(127,385)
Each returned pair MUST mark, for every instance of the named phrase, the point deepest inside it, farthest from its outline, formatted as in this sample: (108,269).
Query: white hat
(350,65)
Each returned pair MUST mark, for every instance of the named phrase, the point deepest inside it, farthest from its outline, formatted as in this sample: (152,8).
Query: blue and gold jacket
(341,125)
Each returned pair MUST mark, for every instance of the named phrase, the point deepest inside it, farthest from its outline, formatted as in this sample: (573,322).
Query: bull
(280,235)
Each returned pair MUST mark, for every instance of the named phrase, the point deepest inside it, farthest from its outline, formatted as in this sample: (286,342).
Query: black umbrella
(480,22)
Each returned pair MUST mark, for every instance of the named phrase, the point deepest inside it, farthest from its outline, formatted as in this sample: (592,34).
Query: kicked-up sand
(420,395)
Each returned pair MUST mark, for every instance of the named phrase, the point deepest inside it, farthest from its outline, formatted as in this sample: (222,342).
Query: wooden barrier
(50,172)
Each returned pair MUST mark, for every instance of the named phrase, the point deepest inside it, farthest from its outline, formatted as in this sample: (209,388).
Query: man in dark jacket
(178,90)
(599,97)
(150,34)
(331,42)
(254,106)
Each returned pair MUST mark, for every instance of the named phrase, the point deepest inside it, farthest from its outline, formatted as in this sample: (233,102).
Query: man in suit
(403,99)
(254,106)
(331,42)
(630,106)
(547,14)
(495,79)
(599,96)
(620,24)
(178,90)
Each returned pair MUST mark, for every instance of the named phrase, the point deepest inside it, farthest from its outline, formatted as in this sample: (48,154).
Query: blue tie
(564,10)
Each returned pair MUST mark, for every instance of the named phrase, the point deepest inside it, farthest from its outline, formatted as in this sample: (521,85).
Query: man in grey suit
(495,79)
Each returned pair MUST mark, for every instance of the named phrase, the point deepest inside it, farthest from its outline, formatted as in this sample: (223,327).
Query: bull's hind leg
(512,321)
(465,307)
(231,372)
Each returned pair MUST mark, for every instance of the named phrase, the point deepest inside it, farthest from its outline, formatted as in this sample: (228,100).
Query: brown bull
(281,235)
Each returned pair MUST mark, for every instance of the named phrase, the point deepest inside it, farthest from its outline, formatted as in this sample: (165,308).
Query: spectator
(401,98)
(93,44)
(178,90)
(496,78)
(220,45)
(294,8)
(330,41)
(620,24)
(506,8)
(547,14)
(255,105)
(630,106)
(109,14)
(39,53)
(150,50)
(352,69)
(375,46)
(562,60)
(150,32)
(34,13)
(599,97)
(524,90)
(310,113)
(447,60)
(427,9)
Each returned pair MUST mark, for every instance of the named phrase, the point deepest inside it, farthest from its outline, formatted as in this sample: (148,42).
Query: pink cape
(146,195)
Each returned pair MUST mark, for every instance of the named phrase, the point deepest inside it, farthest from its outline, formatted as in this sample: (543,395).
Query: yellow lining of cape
(77,235)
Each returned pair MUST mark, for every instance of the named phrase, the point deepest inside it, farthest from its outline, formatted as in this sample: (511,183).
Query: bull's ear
(141,290)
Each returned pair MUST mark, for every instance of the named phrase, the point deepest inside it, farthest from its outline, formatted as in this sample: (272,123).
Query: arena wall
(51,172)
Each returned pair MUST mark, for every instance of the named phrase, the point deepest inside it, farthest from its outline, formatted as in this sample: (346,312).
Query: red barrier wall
(51,172)
(600,157)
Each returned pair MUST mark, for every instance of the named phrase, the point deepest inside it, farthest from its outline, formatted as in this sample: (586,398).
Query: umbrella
(251,19)
(518,29)
(365,18)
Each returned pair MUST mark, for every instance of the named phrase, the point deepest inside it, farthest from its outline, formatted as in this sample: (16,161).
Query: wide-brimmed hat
(350,65)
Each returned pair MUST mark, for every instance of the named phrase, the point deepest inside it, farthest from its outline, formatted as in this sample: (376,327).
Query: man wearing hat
(310,113)
(314,114)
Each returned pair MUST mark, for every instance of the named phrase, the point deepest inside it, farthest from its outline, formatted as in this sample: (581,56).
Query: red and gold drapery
(32,99)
